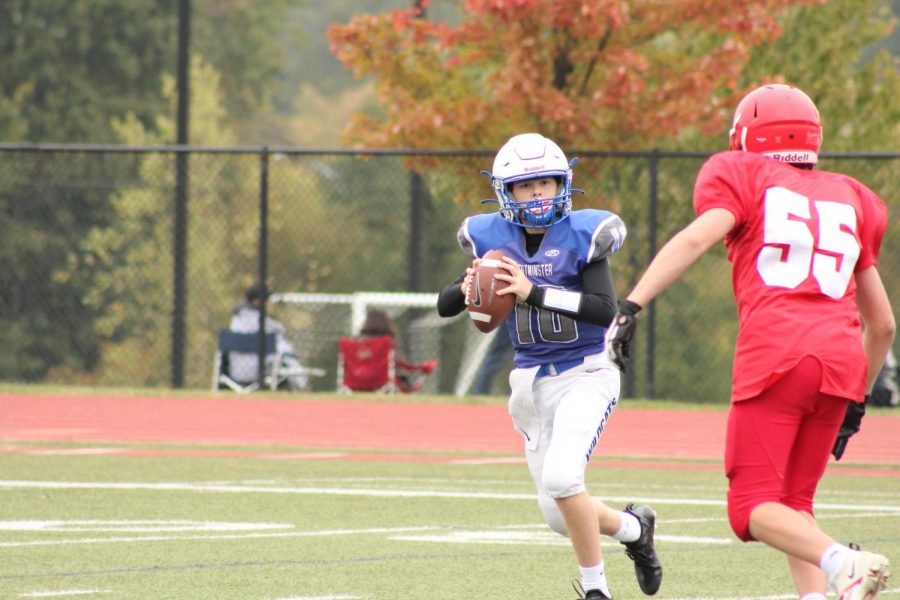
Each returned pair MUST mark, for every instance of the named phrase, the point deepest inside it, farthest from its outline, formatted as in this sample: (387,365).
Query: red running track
(357,425)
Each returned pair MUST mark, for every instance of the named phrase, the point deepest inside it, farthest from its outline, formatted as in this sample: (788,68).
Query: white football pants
(561,418)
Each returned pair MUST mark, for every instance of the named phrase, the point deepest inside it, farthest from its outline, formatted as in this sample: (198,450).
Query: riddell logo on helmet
(530,169)
(792,157)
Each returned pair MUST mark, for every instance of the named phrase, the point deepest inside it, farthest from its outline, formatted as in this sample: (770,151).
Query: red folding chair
(368,364)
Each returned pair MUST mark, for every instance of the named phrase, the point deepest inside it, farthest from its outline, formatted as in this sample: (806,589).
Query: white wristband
(562,300)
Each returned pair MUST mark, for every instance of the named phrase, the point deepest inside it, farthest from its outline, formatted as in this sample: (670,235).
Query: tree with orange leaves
(613,74)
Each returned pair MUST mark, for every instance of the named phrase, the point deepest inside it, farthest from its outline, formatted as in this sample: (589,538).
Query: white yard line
(136,526)
(391,493)
(235,536)
(504,535)
(329,597)
(255,489)
(78,451)
(61,593)
(544,538)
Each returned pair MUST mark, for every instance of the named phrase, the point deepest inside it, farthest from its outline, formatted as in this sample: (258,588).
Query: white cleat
(861,577)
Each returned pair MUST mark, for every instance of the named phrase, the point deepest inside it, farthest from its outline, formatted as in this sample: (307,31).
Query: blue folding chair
(244,343)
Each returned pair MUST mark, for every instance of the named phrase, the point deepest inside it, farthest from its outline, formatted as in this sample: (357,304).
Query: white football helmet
(532,156)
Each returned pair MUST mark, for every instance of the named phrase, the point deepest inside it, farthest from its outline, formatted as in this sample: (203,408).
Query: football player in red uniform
(815,326)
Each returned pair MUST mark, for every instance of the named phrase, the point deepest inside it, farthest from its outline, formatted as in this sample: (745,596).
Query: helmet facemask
(536,212)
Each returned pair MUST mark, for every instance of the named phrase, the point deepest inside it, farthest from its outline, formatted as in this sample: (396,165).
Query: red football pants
(778,444)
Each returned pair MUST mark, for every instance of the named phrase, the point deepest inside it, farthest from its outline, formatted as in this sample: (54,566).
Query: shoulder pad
(605,232)
(480,233)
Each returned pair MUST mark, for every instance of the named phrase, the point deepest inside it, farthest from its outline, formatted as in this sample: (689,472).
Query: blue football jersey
(541,336)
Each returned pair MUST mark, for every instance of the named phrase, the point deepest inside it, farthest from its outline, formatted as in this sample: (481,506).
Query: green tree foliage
(69,71)
(825,52)
(248,43)
(68,68)
(65,69)
(130,258)
(130,263)
(35,237)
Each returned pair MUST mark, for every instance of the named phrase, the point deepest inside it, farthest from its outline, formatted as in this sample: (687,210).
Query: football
(486,308)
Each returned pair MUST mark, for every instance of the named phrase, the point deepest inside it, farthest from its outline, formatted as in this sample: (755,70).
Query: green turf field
(103,526)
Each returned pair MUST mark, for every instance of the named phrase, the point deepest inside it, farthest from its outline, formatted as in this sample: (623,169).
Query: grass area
(192,527)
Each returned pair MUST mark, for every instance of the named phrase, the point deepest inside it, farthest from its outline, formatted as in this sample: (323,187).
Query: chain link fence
(121,263)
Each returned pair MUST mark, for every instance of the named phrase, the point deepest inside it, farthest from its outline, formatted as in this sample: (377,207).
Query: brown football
(486,308)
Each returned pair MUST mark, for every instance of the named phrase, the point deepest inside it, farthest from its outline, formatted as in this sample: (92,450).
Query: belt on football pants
(558,367)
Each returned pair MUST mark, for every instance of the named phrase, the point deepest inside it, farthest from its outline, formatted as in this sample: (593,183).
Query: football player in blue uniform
(563,387)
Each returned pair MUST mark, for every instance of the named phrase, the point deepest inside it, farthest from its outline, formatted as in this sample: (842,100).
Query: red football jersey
(799,237)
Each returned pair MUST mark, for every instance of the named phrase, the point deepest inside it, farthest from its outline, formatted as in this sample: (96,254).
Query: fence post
(179,285)
(416,204)
(650,362)
(418,197)
(263,261)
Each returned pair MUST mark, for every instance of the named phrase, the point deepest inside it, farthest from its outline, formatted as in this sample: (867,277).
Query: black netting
(88,292)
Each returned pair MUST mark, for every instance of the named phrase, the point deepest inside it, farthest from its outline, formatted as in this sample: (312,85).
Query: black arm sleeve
(451,300)
(598,301)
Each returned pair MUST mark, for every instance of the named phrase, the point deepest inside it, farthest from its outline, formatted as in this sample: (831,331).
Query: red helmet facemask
(778,121)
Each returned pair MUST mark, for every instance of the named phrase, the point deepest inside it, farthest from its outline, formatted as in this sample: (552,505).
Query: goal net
(314,322)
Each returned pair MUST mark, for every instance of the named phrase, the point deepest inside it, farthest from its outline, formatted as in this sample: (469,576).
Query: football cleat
(861,577)
(590,594)
(647,567)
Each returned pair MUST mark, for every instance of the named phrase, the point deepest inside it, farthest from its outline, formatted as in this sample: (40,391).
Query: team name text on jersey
(538,270)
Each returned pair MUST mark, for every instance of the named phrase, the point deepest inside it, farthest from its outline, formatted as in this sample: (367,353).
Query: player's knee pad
(552,516)
(559,483)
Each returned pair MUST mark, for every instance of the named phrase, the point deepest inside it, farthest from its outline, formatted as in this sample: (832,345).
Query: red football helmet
(779,121)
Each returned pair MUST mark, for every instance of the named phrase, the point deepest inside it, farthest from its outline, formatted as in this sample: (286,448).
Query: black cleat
(590,594)
(647,567)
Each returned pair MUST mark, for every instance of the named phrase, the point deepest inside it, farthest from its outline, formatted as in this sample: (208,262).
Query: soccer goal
(315,322)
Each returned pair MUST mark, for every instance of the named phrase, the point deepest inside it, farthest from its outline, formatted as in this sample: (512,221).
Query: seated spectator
(378,323)
(245,319)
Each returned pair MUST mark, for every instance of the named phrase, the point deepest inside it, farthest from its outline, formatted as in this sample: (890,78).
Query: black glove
(852,419)
(620,333)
